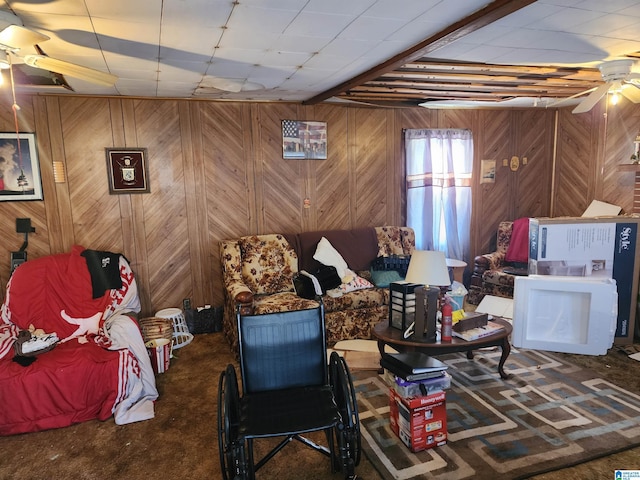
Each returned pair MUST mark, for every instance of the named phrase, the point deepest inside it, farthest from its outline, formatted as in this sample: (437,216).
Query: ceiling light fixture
(615,98)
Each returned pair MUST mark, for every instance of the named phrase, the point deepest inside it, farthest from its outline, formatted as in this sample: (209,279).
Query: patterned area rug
(548,415)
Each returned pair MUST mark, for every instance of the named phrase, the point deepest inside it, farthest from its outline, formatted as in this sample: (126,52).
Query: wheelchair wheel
(348,433)
(231,449)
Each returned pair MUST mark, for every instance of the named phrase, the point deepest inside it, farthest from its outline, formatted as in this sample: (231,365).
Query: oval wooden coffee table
(393,337)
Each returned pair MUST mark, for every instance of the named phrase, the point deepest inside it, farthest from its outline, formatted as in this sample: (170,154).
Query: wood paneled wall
(216,172)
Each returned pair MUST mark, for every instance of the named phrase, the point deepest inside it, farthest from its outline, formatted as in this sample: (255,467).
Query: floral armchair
(494,273)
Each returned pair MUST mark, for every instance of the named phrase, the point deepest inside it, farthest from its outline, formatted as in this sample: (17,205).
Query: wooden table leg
(506,350)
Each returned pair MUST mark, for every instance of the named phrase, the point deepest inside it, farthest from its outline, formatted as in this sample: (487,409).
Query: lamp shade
(428,267)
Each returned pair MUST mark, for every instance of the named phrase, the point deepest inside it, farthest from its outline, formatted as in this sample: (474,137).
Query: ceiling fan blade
(562,101)
(593,98)
(70,69)
(17,37)
(631,91)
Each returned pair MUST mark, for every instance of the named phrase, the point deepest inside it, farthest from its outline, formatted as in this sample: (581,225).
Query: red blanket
(72,383)
(40,290)
(75,381)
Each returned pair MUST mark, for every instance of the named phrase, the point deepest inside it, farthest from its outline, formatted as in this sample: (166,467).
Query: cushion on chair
(281,302)
(504,237)
(269,263)
(390,241)
(518,251)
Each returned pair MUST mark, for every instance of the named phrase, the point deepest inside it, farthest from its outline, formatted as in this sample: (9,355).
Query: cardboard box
(589,247)
(419,422)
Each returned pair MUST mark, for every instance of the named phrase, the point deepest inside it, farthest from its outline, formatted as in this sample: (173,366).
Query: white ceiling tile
(608,5)
(607,25)
(253,20)
(318,24)
(130,11)
(351,7)
(238,39)
(408,10)
(533,14)
(120,30)
(370,28)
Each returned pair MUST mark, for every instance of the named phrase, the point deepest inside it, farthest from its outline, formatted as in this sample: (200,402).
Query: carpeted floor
(549,413)
(181,442)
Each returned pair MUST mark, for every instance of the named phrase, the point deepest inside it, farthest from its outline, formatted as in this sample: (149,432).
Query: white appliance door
(564,314)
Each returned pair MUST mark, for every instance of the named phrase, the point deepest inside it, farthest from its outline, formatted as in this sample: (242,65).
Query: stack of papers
(476,333)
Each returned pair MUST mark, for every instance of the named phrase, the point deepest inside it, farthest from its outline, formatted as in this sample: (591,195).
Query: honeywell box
(420,422)
(605,247)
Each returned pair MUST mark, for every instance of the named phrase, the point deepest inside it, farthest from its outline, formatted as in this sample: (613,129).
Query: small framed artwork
(303,140)
(19,168)
(128,170)
(488,171)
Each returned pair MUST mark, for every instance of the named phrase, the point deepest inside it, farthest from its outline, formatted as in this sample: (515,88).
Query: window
(439,172)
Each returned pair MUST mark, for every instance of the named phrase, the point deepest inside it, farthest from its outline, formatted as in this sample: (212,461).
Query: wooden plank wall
(216,172)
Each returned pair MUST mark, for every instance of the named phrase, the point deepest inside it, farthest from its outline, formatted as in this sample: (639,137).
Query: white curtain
(439,167)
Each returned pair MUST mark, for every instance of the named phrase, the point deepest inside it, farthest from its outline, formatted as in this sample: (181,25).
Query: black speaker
(426,310)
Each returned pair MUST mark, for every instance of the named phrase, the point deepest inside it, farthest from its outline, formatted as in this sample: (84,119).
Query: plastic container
(413,389)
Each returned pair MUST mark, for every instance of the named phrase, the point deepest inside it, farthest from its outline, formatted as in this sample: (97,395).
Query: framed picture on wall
(488,171)
(19,168)
(303,140)
(128,170)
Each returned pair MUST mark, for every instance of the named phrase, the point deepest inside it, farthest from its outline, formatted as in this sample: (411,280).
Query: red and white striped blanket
(98,369)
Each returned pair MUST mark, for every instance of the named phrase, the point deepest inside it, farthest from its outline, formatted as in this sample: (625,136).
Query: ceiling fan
(15,38)
(619,80)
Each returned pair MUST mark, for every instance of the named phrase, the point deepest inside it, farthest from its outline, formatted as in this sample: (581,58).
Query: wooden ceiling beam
(490,69)
(534,89)
(474,78)
(483,17)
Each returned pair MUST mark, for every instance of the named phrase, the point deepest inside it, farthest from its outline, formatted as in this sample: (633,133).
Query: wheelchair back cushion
(282,350)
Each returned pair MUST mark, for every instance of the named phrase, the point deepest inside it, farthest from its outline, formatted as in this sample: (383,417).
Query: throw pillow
(326,254)
(357,283)
(382,278)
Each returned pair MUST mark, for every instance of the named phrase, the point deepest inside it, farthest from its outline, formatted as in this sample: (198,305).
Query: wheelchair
(288,389)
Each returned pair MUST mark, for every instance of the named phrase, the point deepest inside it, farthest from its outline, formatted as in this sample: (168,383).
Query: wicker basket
(154,328)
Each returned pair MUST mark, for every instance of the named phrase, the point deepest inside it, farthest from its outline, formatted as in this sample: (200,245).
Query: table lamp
(428,268)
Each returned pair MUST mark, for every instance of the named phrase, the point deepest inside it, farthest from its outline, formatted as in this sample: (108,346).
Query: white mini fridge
(565,313)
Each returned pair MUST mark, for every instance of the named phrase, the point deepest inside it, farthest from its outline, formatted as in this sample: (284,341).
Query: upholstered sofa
(494,273)
(258,273)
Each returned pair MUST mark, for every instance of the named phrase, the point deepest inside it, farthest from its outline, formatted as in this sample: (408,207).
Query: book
(480,332)
(413,366)
(407,375)
(415,362)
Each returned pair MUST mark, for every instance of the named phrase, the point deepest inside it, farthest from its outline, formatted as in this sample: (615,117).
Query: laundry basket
(157,334)
(181,334)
